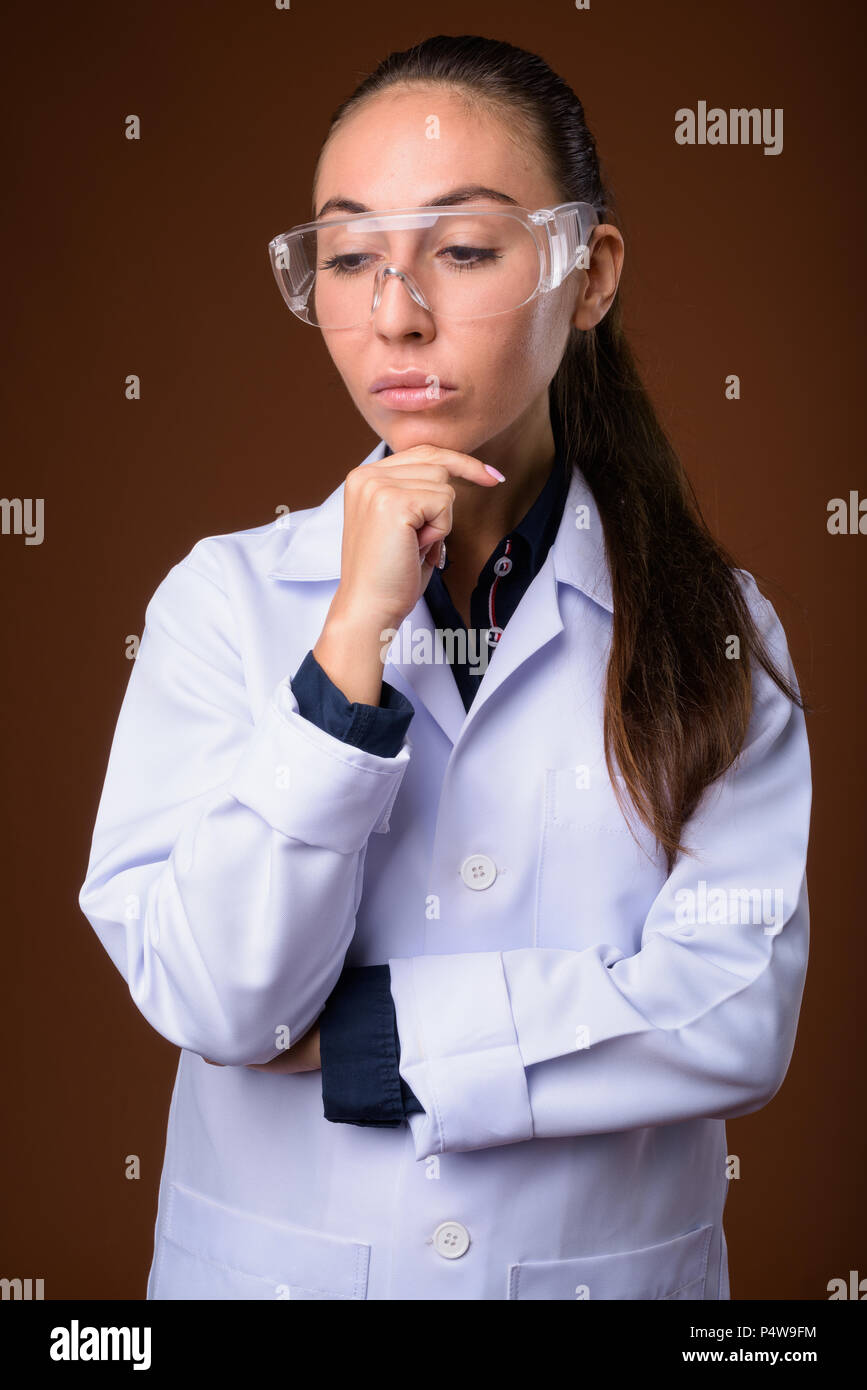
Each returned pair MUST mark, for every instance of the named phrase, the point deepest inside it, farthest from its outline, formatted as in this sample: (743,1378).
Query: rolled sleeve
(358,1046)
(379,729)
(312,786)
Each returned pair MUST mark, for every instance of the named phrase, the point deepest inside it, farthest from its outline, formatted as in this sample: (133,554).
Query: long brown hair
(677,708)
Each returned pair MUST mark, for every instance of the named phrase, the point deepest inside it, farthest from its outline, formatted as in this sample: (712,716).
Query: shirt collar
(541,521)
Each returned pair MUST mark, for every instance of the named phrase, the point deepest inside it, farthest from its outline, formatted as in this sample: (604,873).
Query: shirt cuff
(379,729)
(359,1052)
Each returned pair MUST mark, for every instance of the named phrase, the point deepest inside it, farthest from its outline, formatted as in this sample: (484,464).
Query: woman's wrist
(350,651)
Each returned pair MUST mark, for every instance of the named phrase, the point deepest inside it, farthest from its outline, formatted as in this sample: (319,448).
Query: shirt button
(478,871)
(503,565)
(451,1240)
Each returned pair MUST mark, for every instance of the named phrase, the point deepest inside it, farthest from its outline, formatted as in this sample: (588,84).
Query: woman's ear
(598,282)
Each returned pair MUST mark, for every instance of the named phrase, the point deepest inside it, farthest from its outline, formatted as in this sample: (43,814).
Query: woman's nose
(398,304)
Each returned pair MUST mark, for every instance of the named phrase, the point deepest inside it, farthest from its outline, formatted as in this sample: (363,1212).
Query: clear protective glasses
(458,262)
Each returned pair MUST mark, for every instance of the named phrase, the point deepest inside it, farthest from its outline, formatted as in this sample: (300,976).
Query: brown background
(150,258)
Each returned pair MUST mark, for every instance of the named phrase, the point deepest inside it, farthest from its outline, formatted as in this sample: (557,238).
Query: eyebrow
(469,192)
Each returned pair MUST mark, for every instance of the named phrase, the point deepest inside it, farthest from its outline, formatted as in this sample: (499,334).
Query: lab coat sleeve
(504,1046)
(226,863)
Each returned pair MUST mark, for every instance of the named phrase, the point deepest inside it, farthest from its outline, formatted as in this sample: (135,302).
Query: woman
(536,905)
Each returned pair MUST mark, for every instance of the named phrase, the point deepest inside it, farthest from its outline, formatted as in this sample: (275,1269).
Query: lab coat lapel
(430,681)
(577,558)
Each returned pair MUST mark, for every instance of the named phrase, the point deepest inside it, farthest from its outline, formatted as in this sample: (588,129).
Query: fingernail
(494,473)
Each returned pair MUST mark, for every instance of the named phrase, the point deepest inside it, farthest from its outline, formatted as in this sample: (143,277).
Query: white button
(451,1240)
(503,565)
(478,871)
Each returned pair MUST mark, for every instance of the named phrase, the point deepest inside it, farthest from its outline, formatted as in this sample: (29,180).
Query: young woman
(473,930)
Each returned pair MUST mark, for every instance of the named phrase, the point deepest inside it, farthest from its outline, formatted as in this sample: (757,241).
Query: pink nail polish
(494,473)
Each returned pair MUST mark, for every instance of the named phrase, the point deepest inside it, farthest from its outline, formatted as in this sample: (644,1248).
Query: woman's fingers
(394,511)
(456,464)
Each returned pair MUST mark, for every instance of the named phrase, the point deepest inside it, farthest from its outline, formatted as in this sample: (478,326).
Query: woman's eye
(344,265)
(469,257)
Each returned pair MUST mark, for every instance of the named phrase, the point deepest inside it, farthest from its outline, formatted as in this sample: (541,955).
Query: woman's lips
(413,397)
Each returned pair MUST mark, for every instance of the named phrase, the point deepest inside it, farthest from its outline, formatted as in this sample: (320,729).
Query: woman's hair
(677,708)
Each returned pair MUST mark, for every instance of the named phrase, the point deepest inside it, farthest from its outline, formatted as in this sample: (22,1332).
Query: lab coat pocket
(676,1269)
(210,1251)
(592,873)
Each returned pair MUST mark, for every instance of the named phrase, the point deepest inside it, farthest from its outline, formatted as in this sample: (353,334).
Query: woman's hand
(301,1056)
(396,514)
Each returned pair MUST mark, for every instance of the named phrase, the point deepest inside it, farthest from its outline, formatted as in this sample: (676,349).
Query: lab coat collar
(577,557)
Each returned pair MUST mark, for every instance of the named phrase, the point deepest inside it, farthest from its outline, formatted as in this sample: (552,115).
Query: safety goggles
(461,262)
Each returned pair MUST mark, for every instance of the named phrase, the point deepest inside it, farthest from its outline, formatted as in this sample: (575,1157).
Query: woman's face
(499,367)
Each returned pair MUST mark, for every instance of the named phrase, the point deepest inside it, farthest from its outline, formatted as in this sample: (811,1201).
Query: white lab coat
(575,1039)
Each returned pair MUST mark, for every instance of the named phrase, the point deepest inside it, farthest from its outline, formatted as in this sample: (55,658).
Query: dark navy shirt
(358,1039)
